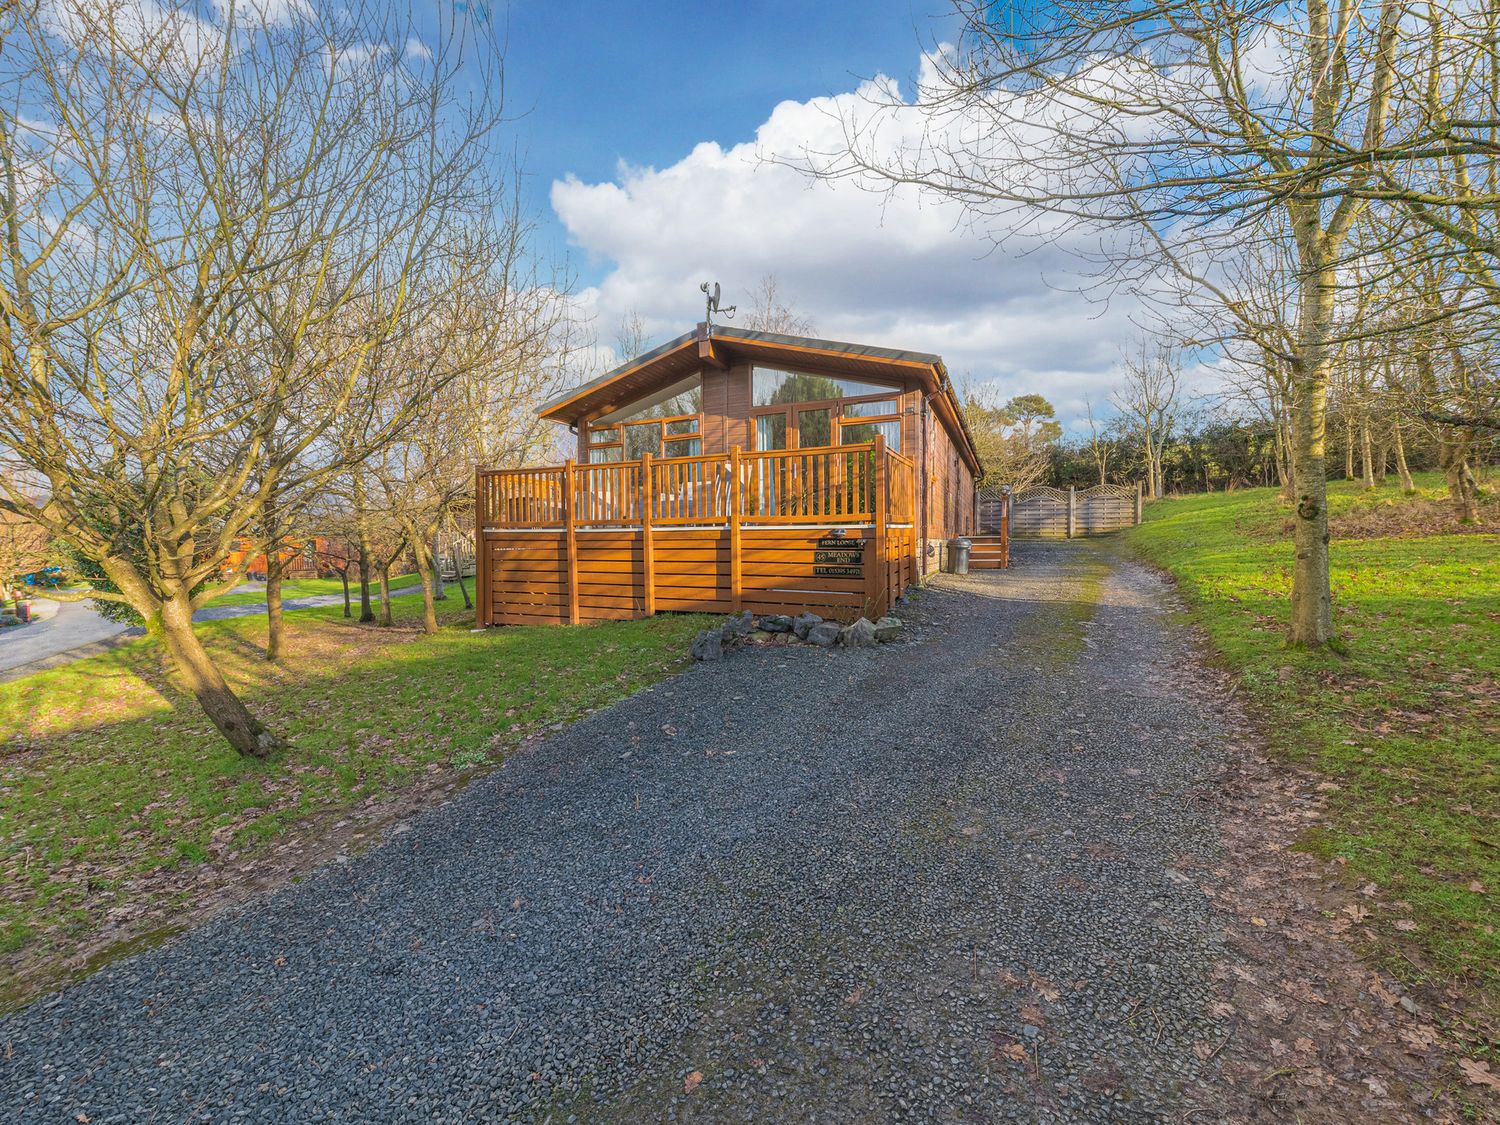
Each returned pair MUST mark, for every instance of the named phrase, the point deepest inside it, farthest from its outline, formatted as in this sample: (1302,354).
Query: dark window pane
(642,439)
(684,447)
(858,432)
(770,387)
(684,426)
(871,409)
(607,453)
(814,428)
(770,432)
(602,434)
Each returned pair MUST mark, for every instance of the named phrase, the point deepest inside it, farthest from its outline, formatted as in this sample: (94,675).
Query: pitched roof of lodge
(680,358)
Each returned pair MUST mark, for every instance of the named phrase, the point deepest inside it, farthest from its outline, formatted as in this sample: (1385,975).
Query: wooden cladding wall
(692,570)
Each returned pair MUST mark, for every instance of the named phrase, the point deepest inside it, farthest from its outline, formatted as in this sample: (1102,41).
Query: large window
(795,410)
(664,424)
(772,387)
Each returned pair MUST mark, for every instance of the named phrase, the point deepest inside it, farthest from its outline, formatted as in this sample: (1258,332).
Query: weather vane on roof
(711,295)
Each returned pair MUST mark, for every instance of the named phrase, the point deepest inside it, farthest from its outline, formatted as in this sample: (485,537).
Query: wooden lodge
(730,471)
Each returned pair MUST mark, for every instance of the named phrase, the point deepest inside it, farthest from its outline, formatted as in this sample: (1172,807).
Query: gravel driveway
(946,880)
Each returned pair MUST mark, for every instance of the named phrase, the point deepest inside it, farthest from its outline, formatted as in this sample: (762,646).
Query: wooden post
(877,580)
(1137,502)
(1072,512)
(1005,531)
(736,580)
(482,592)
(570,530)
(648,544)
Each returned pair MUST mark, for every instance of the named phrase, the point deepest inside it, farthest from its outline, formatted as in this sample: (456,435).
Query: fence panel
(1054,513)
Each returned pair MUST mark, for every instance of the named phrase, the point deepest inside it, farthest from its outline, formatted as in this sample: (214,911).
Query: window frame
(662,437)
(837,419)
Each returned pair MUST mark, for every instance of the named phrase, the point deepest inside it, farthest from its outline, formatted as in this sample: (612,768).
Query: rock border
(780,629)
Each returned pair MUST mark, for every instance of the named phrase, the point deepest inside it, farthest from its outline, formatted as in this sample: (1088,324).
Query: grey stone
(776,623)
(803,623)
(888,628)
(709,644)
(859,635)
(824,633)
(738,625)
(760,637)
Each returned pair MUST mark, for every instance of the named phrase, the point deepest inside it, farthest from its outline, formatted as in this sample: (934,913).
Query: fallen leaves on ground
(692,1082)
(1015,1052)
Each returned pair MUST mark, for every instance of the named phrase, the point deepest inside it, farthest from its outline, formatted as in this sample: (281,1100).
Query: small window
(682,426)
(601,453)
(602,435)
(855,433)
(814,427)
(642,439)
(770,432)
(871,409)
(685,447)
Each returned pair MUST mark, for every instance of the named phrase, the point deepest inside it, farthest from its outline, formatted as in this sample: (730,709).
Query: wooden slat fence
(823,529)
(1053,513)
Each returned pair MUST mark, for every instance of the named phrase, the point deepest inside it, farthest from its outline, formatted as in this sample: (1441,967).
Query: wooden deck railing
(829,528)
(833,485)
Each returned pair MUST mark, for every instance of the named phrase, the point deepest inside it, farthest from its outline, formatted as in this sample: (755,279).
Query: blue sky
(655,138)
(644,82)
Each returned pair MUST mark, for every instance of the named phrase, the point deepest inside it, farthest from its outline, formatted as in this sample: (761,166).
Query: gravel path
(944,880)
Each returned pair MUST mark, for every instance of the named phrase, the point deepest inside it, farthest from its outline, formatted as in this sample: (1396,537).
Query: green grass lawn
(1406,722)
(312,587)
(112,784)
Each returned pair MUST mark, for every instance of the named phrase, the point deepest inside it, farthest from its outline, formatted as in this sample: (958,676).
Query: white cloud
(897,269)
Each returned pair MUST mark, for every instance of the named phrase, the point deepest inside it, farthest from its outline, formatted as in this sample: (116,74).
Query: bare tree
(1167,122)
(630,336)
(188,210)
(1102,443)
(1149,394)
(771,311)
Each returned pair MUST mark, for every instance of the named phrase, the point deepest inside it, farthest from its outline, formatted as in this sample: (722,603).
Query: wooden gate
(1054,513)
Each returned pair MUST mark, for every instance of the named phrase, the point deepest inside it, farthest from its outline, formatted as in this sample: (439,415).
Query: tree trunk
(275,626)
(425,572)
(385,594)
(1312,598)
(1463,489)
(458,574)
(1348,449)
(1408,486)
(344,574)
(438,591)
(1367,454)
(362,538)
(199,675)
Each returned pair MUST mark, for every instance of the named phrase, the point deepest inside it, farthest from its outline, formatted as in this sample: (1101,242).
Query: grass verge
(119,802)
(1405,724)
